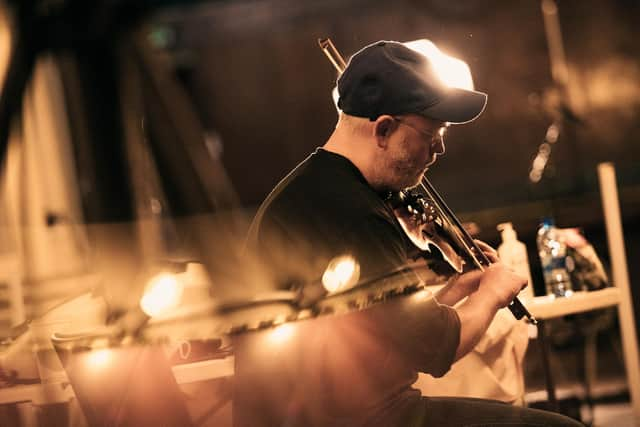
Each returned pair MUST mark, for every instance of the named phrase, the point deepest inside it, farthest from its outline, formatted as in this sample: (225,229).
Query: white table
(547,308)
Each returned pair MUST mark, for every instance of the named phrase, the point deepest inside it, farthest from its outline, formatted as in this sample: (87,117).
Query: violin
(419,219)
(428,221)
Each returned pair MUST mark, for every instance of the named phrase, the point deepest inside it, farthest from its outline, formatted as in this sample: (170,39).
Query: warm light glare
(163,292)
(341,273)
(99,358)
(422,295)
(335,96)
(552,134)
(281,333)
(5,43)
(452,71)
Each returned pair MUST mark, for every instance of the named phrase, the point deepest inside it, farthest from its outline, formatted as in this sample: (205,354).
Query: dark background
(262,88)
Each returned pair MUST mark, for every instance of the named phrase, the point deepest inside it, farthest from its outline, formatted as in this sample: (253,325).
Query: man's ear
(383,127)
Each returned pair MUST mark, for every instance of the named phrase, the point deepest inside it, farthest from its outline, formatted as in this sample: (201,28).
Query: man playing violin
(358,368)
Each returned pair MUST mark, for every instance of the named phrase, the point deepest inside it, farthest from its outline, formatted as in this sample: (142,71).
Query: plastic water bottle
(513,253)
(553,253)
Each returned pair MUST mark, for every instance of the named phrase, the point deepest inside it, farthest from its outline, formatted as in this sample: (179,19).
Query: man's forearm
(449,294)
(476,313)
(457,288)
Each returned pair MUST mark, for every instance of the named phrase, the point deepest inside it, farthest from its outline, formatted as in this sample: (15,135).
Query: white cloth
(492,370)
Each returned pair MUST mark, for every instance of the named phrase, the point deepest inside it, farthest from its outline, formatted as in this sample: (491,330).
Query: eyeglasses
(429,135)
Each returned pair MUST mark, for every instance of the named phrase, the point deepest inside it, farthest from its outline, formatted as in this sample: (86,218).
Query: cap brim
(458,106)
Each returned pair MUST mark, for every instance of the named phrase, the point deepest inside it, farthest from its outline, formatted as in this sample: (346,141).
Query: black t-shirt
(350,369)
(322,209)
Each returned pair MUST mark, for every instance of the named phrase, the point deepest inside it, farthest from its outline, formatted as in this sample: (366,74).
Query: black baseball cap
(388,77)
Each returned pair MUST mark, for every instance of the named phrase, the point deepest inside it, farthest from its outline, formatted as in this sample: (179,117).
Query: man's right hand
(500,285)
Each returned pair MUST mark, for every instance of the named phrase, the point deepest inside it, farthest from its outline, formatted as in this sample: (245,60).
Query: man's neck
(354,148)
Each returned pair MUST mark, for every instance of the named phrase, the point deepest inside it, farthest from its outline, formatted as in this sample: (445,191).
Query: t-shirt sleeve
(420,329)
(425,332)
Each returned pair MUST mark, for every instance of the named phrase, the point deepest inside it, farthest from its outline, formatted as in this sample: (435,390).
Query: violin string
(447,215)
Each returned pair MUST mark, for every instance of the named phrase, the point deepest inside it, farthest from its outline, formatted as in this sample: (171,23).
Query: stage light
(452,71)
(341,273)
(162,293)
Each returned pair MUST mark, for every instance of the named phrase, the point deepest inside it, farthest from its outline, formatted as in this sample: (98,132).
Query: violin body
(427,225)
(418,217)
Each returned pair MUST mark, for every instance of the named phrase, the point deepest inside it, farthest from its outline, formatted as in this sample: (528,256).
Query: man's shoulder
(324,196)
(324,181)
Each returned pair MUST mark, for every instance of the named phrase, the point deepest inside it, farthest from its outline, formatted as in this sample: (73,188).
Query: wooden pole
(615,239)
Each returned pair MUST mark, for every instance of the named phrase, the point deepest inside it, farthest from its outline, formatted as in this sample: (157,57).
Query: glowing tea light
(341,273)
(99,358)
(281,333)
(162,293)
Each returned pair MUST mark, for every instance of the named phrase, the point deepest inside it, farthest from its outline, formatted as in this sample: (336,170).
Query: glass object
(552,251)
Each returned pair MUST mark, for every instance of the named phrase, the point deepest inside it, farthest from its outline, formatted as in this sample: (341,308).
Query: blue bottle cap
(548,221)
